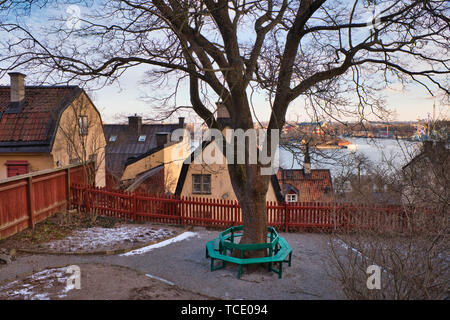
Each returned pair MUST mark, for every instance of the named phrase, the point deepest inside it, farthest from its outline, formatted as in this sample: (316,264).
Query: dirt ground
(173,268)
(82,233)
(96,284)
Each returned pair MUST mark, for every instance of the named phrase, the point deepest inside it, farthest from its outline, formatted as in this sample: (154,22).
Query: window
(291,198)
(83,125)
(112,138)
(15,168)
(347,187)
(201,183)
(74,161)
(93,158)
(142,138)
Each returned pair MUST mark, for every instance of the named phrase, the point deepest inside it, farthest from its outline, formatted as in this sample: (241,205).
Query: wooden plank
(30,200)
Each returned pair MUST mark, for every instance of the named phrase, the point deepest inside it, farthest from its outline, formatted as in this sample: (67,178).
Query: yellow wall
(68,140)
(37,162)
(172,156)
(221,187)
(67,134)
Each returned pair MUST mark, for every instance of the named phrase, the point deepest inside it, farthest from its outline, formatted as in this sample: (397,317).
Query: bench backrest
(227,240)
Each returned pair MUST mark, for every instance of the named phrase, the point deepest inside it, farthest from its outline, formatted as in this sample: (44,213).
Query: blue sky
(411,103)
(118,100)
(126,97)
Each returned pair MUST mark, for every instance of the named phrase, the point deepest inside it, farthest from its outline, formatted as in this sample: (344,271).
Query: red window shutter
(15,168)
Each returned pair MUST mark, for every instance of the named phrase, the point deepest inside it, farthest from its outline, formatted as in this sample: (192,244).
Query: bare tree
(81,137)
(411,256)
(334,55)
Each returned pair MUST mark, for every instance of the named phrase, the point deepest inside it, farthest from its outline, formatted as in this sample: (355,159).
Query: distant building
(426,177)
(142,157)
(305,185)
(43,127)
(367,189)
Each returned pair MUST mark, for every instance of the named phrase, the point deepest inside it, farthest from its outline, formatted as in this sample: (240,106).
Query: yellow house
(43,127)
(210,179)
(143,156)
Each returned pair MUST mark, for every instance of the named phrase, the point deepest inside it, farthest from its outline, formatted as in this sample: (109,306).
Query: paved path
(184,264)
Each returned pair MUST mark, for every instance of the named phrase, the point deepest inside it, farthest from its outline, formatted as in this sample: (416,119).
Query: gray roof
(127,145)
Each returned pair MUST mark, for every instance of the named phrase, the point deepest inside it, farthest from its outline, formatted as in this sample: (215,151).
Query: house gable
(221,186)
(70,145)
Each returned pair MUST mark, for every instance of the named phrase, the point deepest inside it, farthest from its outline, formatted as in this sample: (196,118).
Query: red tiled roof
(34,121)
(317,187)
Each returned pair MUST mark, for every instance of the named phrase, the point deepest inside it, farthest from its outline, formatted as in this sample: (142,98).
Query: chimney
(181,122)
(17,87)
(307,162)
(223,116)
(135,124)
(162,138)
(222,111)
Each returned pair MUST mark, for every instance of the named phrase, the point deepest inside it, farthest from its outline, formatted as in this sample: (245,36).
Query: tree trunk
(255,222)
(251,189)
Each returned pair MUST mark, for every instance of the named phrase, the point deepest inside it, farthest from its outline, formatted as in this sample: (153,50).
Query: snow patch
(32,287)
(97,238)
(181,237)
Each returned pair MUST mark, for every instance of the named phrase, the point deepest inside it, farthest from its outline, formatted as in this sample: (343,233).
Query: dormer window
(142,138)
(291,197)
(112,138)
(83,125)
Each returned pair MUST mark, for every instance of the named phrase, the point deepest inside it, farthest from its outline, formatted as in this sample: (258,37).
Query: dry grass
(57,227)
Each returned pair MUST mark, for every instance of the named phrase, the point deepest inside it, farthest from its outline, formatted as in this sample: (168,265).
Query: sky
(119,100)
(409,104)
(124,98)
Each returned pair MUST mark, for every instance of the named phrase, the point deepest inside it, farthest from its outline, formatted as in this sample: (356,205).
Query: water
(388,153)
(382,153)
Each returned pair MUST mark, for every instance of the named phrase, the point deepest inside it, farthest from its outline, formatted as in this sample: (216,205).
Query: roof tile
(32,123)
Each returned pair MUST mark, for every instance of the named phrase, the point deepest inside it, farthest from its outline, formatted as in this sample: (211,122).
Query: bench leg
(214,268)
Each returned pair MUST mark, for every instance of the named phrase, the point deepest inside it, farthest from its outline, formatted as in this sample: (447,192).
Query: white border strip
(164,243)
(160,279)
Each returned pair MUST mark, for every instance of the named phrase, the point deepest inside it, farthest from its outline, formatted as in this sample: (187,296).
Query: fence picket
(225,212)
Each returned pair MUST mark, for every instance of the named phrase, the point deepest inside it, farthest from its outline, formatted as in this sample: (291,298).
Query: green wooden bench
(278,250)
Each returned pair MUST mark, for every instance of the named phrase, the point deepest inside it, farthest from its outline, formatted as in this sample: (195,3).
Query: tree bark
(251,189)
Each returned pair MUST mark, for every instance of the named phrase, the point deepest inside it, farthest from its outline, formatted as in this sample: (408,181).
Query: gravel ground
(51,284)
(183,263)
(99,239)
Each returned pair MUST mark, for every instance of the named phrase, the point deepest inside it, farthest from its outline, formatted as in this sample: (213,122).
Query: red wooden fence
(30,198)
(223,213)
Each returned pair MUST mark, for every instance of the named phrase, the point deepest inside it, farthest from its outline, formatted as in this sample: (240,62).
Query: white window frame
(291,197)
(201,184)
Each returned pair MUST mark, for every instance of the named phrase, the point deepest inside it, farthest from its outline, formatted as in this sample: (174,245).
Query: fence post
(236,212)
(182,211)
(30,200)
(134,206)
(286,216)
(86,199)
(68,191)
